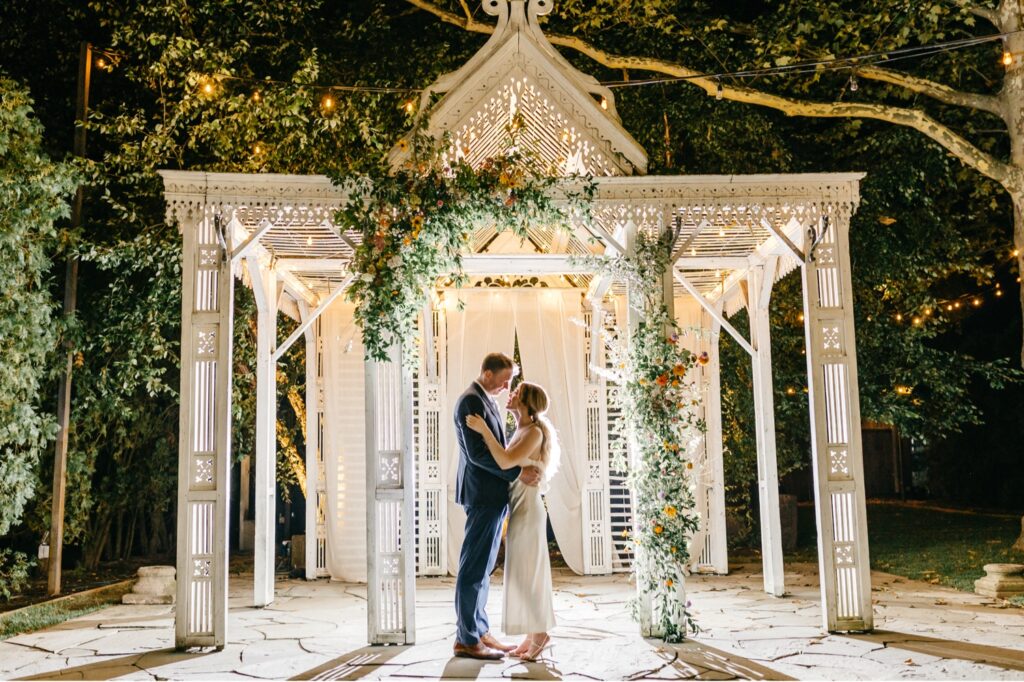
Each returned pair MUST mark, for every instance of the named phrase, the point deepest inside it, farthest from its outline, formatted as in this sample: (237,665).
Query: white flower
(367,278)
(394,261)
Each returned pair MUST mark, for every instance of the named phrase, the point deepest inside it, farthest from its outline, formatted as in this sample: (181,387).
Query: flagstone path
(315,630)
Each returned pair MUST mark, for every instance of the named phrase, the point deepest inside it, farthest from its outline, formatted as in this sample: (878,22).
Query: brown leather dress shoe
(489,640)
(478,651)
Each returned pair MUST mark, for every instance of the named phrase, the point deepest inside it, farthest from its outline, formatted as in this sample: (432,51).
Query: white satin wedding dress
(527,605)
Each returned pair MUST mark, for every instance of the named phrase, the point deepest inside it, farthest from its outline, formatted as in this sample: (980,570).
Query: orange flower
(704,358)
(662,380)
(658,530)
(679,370)
(670,511)
(689,465)
(675,383)
(669,583)
(417,222)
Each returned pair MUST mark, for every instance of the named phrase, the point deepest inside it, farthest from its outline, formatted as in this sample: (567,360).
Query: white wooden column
(313,443)
(759,287)
(597,533)
(640,568)
(835,429)
(390,500)
(204,442)
(716,553)
(433,553)
(264,287)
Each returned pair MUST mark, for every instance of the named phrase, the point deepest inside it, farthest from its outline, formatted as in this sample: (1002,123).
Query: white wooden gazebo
(734,236)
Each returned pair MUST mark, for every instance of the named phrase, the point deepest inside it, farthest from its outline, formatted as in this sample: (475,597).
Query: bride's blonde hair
(535,399)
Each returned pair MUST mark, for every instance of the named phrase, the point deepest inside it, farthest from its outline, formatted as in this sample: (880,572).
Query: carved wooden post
(204,443)
(717,542)
(390,499)
(844,571)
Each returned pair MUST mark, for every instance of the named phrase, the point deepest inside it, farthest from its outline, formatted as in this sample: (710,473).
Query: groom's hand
(530,476)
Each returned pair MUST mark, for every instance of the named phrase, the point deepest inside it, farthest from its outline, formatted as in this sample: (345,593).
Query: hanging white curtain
(552,353)
(344,443)
(484,325)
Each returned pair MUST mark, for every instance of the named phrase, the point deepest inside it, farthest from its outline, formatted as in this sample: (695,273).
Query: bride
(527,607)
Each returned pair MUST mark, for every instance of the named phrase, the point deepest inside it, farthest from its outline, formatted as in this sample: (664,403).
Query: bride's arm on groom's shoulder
(517,455)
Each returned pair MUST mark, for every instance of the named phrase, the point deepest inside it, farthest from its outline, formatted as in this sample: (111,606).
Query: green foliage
(14,568)
(34,194)
(659,398)
(416,221)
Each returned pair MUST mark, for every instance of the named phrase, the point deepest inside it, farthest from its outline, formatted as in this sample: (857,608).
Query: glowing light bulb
(693,251)
(1015,253)
(999,292)
(1007,58)
(327,103)
(309,241)
(604,103)
(976,302)
(257,148)
(899,318)
(409,107)
(207,88)
(256,96)
(719,94)
(917,321)
(101,63)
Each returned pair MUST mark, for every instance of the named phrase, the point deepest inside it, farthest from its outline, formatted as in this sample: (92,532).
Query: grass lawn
(937,546)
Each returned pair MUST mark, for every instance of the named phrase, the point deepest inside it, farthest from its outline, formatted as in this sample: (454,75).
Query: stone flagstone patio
(316,631)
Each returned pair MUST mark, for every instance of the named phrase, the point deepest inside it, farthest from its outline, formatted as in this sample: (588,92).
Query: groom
(482,489)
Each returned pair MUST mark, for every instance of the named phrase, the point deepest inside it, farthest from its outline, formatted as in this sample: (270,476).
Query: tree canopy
(239,86)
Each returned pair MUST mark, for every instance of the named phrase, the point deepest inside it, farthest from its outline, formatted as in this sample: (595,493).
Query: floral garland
(416,221)
(659,398)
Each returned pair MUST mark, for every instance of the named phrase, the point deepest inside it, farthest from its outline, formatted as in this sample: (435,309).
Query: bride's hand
(476,423)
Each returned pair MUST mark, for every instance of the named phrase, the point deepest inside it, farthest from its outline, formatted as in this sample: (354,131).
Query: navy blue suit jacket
(480,481)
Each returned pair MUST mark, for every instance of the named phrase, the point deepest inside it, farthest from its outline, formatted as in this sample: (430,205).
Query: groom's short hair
(495,362)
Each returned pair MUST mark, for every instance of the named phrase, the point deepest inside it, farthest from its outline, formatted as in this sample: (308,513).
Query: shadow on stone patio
(945,648)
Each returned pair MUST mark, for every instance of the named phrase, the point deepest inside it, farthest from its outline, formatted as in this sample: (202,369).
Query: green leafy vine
(416,222)
(659,397)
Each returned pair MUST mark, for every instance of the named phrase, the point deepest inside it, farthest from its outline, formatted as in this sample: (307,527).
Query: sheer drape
(344,444)
(551,349)
(485,324)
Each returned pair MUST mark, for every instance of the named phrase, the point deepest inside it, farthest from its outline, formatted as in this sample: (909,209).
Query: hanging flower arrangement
(416,222)
(659,397)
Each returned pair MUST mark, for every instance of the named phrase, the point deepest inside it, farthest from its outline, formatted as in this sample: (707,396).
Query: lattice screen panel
(835,427)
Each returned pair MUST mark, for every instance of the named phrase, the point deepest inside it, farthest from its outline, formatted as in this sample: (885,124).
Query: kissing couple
(498,478)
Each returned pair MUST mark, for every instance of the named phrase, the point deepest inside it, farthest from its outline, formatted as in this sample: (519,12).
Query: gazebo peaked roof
(568,117)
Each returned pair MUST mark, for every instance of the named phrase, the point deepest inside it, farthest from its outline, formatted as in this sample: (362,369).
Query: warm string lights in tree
(107,59)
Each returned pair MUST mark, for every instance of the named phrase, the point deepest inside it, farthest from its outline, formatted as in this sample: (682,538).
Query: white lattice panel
(835,427)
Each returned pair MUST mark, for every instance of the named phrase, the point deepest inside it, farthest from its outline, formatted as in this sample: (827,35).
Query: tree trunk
(1018,244)
(1011,13)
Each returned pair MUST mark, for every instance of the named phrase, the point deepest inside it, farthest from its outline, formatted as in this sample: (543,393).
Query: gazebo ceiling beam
(311,318)
(685,245)
(518,264)
(782,237)
(314,264)
(713,312)
(252,240)
(712,263)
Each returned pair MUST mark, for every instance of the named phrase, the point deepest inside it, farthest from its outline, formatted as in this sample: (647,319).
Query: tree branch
(989,15)
(986,164)
(938,91)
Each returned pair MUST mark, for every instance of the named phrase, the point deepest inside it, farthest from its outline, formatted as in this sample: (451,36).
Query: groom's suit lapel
(492,409)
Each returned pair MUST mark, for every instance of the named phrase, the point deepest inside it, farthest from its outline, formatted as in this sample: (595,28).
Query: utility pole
(60,461)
